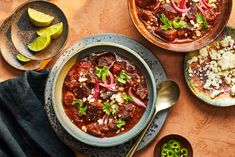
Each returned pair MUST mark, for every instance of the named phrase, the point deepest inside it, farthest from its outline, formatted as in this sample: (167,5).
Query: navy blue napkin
(24,128)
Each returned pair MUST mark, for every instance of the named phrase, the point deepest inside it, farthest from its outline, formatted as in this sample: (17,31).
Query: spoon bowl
(168,94)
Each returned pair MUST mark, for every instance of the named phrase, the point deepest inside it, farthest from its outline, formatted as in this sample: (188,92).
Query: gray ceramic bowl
(57,94)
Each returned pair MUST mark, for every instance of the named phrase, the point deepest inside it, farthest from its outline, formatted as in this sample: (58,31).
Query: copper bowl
(183,141)
(183,47)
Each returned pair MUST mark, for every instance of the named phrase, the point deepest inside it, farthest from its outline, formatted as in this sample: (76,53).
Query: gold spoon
(168,93)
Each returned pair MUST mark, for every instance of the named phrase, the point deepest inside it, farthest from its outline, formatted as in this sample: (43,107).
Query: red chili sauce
(104,94)
(178,21)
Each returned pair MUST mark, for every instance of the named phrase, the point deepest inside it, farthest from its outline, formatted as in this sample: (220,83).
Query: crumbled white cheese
(117,97)
(232,91)
(215,93)
(203,52)
(227,41)
(227,61)
(100,121)
(82,79)
(84,128)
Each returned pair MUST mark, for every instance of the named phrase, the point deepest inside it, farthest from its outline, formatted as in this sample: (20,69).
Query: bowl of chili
(104,95)
(180,25)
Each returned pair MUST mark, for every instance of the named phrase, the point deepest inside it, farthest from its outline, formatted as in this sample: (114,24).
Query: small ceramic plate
(23,32)
(120,150)
(196,82)
(9,51)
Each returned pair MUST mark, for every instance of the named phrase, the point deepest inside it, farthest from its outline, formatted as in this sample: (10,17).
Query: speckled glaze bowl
(57,94)
(184,47)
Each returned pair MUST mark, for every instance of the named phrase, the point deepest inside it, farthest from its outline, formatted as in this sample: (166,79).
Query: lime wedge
(39,18)
(40,43)
(22,58)
(53,31)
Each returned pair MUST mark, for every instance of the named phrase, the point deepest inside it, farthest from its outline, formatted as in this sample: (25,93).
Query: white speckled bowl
(57,94)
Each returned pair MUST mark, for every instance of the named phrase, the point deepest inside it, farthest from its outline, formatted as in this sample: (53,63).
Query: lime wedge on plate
(39,18)
(40,43)
(53,31)
(22,58)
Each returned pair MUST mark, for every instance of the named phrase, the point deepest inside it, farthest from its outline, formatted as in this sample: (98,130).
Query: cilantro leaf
(102,72)
(114,109)
(77,102)
(123,77)
(120,123)
(177,23)
(106,107)
(82,110)
(126,97)
(167,23)
(202,20)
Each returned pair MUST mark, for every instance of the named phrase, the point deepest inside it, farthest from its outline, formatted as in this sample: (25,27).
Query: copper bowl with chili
(104,95)
(180,25)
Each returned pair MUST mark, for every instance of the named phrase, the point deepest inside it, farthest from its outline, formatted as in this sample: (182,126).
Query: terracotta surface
(210,130)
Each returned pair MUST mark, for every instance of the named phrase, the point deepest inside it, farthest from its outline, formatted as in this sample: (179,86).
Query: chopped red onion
(205,3)
(201,10)
(110,66)
(179,9)
(137,101)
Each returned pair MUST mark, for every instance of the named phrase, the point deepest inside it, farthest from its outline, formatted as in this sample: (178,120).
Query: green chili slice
(184,152)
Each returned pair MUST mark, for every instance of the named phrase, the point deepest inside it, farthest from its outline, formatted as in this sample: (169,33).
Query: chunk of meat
(141,90)
(97,129)
(169,35)
(168,10)
(68,98)
(107,95)
(210,15)
(105,60)
(82,91)
(148,4)
(112,125)
(143,16)
(93,112)
(70,84)
(133,81)
(117,67)
(181,33)
(126,111)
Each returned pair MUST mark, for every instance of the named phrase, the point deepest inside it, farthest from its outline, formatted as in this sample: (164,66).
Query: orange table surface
(210,130)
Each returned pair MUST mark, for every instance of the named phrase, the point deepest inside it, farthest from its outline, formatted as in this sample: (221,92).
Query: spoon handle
(137,143)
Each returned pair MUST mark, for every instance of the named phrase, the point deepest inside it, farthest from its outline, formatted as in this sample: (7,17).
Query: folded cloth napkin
(24,127)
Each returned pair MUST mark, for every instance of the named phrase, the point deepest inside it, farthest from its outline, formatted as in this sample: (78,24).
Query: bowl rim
(169,46)
(120,139)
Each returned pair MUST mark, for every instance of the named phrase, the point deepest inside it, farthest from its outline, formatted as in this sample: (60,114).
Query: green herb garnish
(114,109)
(102,72)
(120,123)
(126,97)
(109,108)
(202,20)
(177,23)
(77,102)
(82,110)
(123,77)
(106,107)
(167,23)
